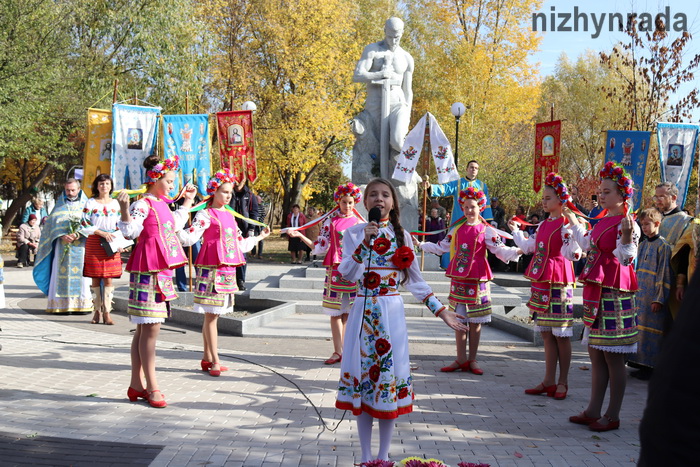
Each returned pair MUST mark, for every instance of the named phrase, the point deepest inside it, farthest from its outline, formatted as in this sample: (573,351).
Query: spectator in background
(262,215)
(28,238)
(313,231)
(295,246)
(435,204)
(595,210)
(37,208)
(499,214)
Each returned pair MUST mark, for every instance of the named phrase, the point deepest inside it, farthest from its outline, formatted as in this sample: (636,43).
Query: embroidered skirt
(475,295)
(338,294)
(552,308)
(614,328)
(97,263)
(214,289)
(149,295)
(375,374)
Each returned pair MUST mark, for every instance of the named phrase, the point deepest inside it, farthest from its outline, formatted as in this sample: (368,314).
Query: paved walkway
(65,378)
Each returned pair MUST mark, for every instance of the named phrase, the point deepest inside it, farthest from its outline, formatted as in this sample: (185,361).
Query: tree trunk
(23,197)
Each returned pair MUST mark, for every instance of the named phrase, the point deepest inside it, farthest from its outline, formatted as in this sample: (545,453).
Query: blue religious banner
(677,143)
(630,149)
(187,136)
(134,130)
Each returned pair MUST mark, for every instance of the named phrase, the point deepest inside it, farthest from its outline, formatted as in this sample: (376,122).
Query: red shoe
(561,395)
(469,367)
(450,369)
(582,419)
(542,389)
(206,366)
(157,404)
(335,358)
(599,427)
(133,394)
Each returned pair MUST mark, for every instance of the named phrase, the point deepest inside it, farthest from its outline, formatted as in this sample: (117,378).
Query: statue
(380,129)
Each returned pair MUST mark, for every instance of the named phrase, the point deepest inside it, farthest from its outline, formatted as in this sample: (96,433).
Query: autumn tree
(295,60)
(58,58)
(654,69)
(574,89)
(476,52)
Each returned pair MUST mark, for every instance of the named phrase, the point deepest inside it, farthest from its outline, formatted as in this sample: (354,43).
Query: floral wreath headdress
(473,193)
(617,174)
(218,179)
(349,189)
(554,181)
(161,168)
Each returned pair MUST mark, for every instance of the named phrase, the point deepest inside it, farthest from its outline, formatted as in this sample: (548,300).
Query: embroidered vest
(602,267)
(548,264)
(220,241)
(157,248)
(469,261)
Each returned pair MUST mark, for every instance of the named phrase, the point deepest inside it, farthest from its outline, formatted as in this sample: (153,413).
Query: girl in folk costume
(100,217)
(222,251)
(469,270)
(150,266)
(608,296)
(338,294)
(375,374)
(552,291)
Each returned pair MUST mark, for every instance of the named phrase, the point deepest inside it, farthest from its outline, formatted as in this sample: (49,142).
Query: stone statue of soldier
(380,129)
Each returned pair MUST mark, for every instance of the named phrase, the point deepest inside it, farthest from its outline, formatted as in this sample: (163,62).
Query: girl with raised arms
(552,290)
(608,296)
(150,269)
(222,251)
(470,294)
(338,294)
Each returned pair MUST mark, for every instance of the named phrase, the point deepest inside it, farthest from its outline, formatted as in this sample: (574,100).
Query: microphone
(374,215)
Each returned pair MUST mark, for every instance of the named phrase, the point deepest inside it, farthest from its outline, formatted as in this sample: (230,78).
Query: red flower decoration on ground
(382,346)
(374,373)
(403,257)
(403,393)
(382,245)
(372,280)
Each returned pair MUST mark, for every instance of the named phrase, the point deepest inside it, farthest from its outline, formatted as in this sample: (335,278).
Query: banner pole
(114,94)
(426,167)
(189,252)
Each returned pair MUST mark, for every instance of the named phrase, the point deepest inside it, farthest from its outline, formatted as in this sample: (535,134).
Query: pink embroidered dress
(552,275)
(338,294)
(375,374)
(222,251)
(156,254)
(609,282)
(469,268)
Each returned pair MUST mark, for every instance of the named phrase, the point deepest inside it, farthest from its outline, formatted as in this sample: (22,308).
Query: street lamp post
(457,110)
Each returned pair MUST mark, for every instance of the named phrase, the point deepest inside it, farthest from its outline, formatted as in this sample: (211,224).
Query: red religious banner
(236,143)
(547,143)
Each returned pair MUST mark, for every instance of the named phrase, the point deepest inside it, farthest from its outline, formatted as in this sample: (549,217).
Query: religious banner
(547,144)
(630,149)
(187,136)
(133,139)
(677,143)
(236,143)
(98,146)
(440,149)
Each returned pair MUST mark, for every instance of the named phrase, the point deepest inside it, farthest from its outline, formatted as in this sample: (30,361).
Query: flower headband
(218,179)
(349,189)
(555,181)
(161,168)
(618,175)
(472,193)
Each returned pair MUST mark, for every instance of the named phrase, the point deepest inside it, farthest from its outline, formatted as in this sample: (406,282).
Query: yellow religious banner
(98,147)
